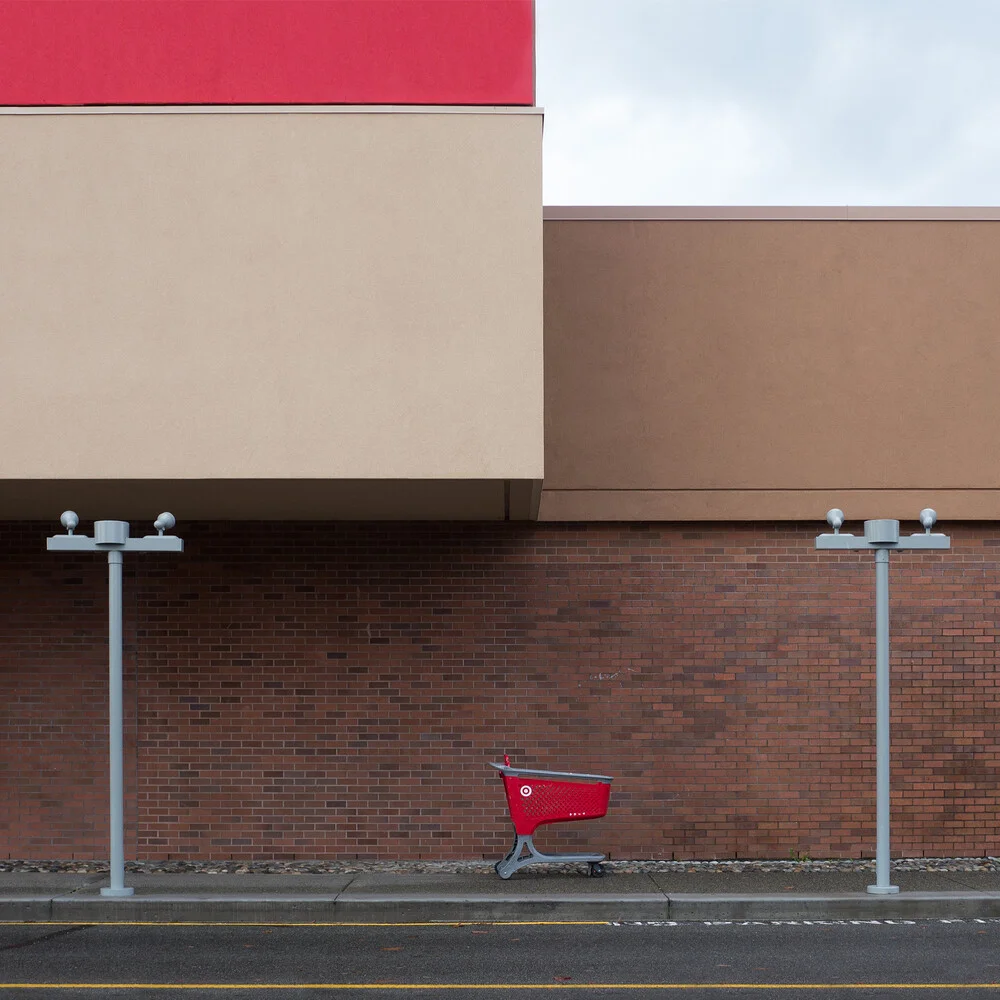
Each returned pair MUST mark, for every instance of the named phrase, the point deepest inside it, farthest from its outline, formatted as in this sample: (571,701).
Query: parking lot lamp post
(113,537)
(882,536)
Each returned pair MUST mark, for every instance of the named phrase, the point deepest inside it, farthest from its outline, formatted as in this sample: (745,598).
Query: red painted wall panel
(78,52)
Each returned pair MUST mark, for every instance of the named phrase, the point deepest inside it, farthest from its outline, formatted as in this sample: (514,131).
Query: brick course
(335,690)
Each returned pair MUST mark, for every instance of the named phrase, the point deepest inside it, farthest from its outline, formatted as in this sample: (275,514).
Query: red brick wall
(334,690)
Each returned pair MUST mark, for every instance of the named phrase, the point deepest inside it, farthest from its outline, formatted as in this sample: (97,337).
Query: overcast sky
(770,102)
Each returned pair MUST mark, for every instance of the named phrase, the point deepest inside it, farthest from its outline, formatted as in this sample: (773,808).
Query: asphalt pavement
(568,895)
(903,959)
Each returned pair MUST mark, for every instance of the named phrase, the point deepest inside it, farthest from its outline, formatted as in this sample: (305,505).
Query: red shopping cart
(539,797)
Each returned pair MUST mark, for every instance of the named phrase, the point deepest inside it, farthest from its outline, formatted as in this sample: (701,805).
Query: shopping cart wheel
(496,868)
(596,869)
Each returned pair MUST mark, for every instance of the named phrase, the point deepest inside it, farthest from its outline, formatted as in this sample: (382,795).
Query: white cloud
(709,151)
(770,101)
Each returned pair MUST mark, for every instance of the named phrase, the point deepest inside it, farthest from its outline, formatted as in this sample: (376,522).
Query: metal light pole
(883,537)
(113,537)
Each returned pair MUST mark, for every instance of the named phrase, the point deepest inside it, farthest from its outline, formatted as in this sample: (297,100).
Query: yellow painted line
(304,923)
(499,986)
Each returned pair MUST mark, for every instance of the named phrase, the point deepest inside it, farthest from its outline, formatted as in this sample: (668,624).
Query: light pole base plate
(126,890)
(883,890)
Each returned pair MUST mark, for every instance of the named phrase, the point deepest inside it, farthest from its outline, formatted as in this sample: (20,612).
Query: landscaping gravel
(985,864)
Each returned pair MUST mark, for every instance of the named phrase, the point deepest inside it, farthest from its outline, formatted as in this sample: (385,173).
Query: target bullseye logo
(526,790)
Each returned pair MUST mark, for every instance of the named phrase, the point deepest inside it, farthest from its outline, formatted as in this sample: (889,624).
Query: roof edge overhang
(767,213)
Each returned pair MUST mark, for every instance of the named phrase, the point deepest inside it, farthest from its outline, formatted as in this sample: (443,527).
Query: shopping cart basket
(538,797)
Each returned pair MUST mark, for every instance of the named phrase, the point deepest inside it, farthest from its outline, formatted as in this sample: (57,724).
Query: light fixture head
(164,522)
(928,518)
(835,518)
(69,520)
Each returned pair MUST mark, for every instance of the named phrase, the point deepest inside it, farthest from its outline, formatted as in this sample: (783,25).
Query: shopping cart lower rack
(538,797)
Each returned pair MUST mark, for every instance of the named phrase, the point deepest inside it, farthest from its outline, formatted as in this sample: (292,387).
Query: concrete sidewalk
(453,898)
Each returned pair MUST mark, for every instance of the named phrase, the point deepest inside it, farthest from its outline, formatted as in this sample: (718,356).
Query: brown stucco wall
(754,367)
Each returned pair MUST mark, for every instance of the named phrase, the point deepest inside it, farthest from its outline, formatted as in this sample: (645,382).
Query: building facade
(456,476)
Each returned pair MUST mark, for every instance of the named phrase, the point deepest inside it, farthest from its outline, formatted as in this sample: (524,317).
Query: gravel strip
(987,864)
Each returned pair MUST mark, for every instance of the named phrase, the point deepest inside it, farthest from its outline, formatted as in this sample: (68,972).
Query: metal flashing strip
(274,109)
(765,213)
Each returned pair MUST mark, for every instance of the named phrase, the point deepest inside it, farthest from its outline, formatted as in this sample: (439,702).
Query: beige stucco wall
(282,295)
(754,368)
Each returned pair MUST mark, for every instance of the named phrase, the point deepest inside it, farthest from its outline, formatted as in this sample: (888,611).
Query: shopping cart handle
(522,772)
